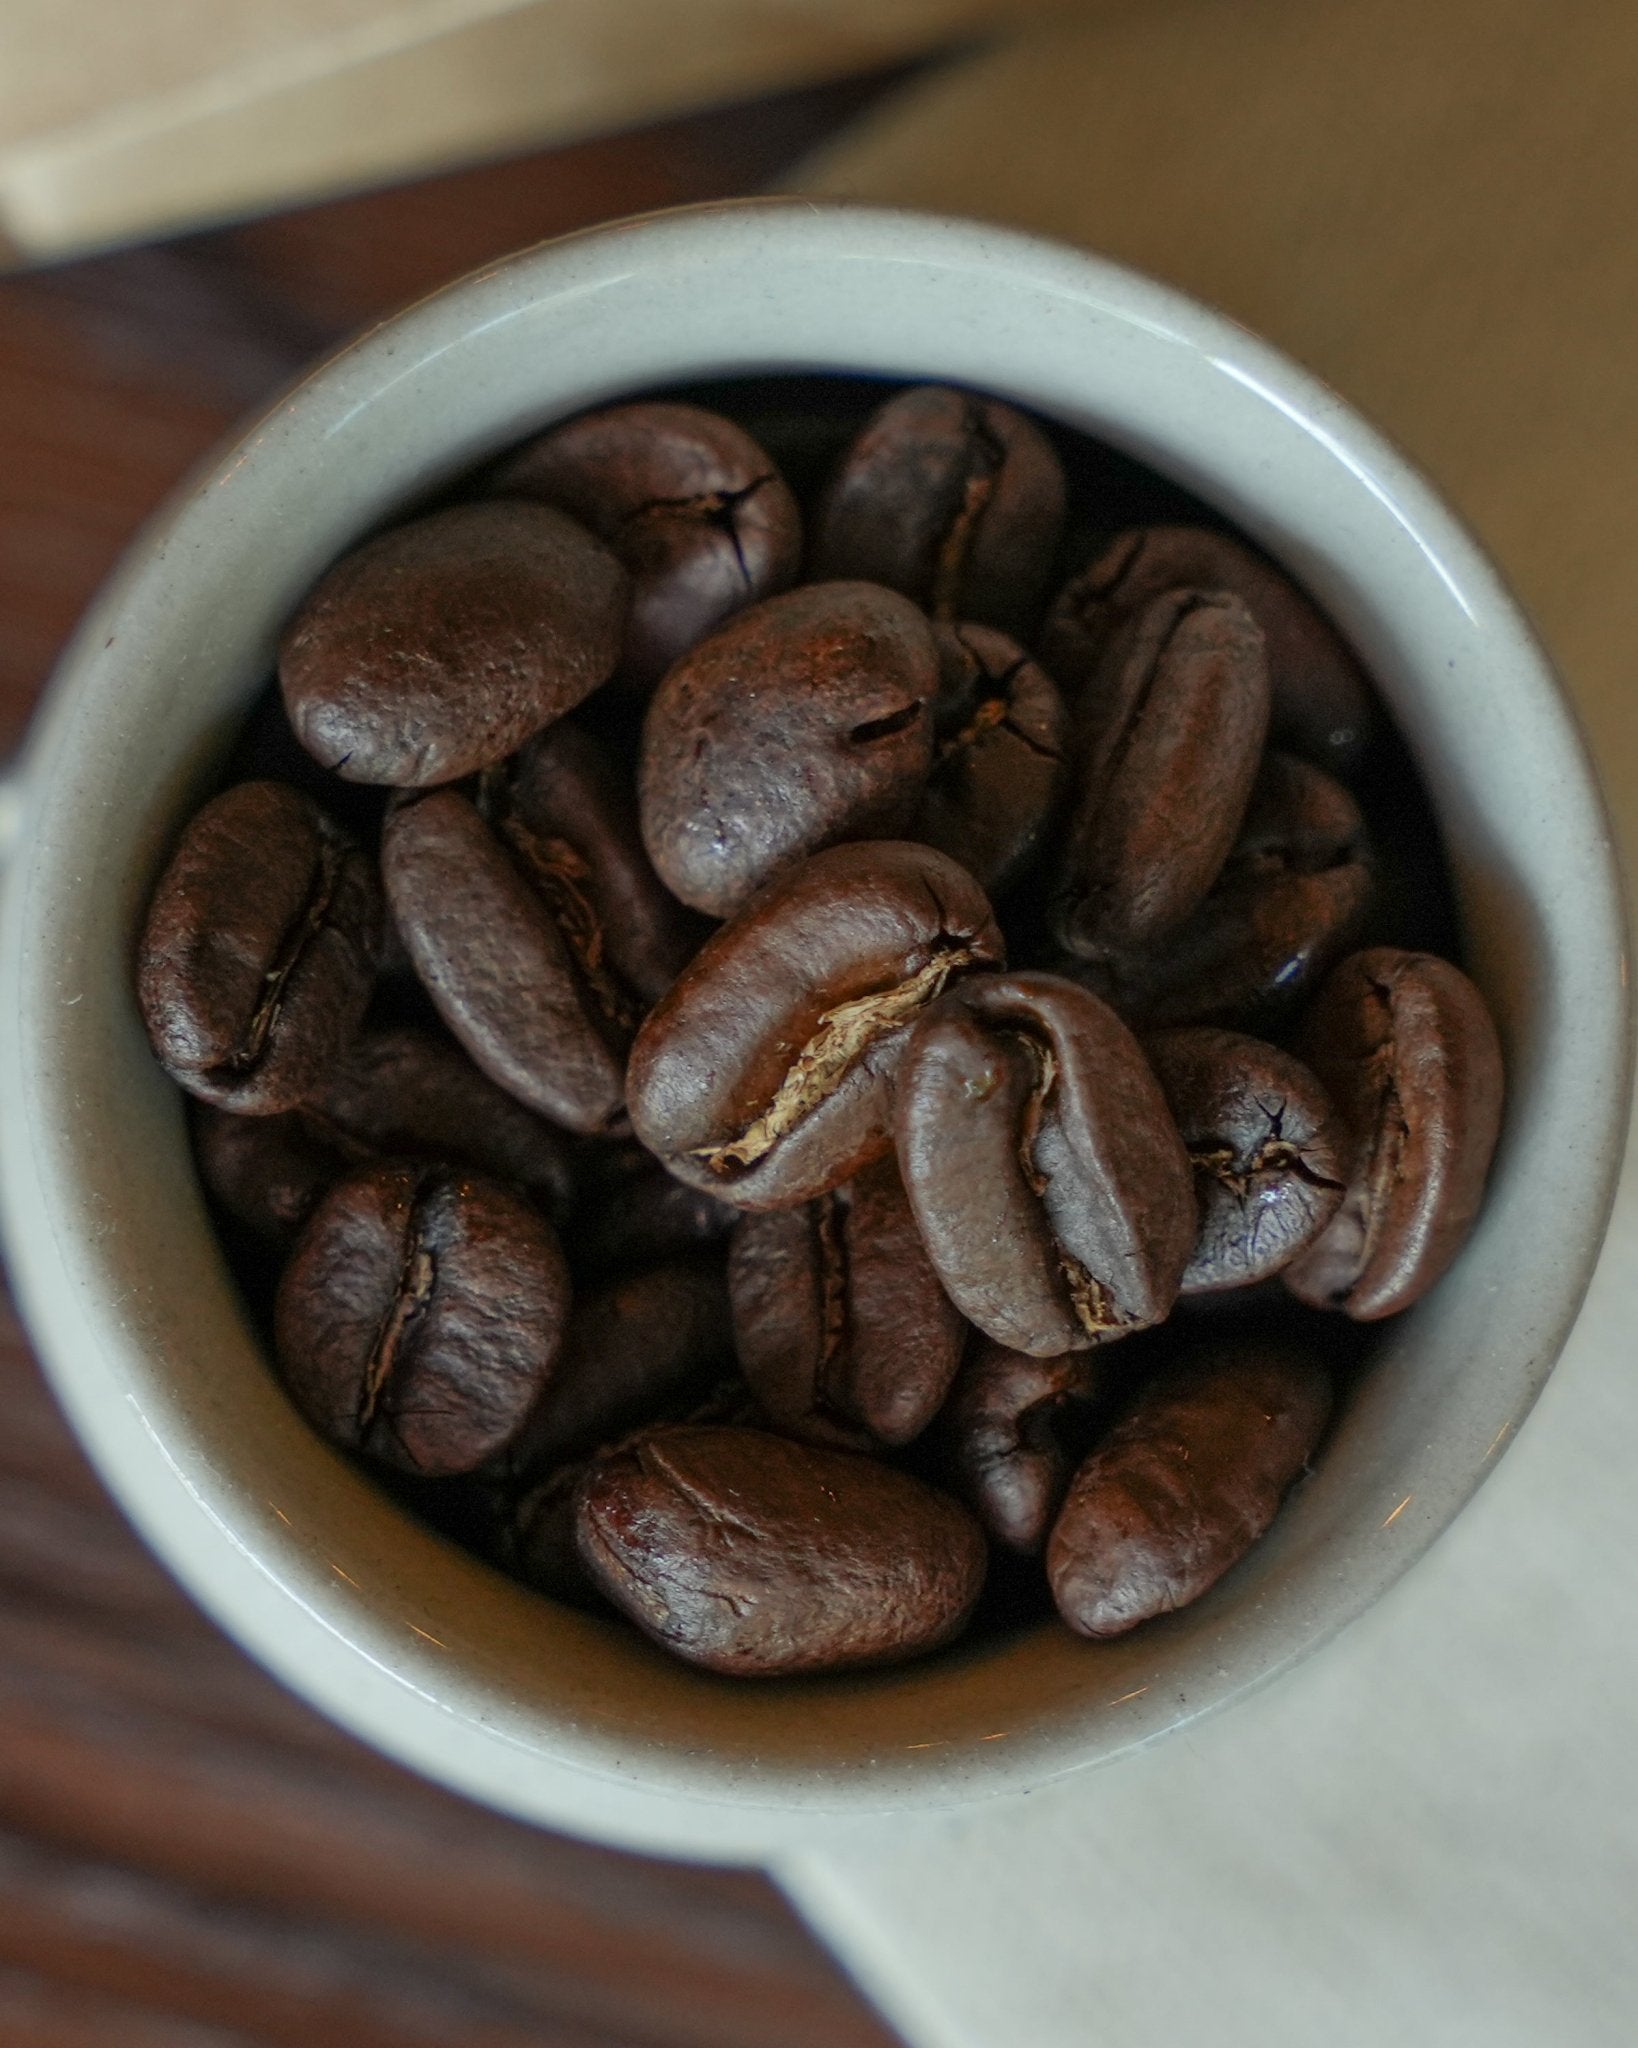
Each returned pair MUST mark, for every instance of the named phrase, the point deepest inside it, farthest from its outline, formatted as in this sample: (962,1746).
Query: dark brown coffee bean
(397,1093)
(420,1316)
(439,647)
(755,1556)
(1185,1483)
(1323,708)
(634,1214)
(633,1349)
(955,499)
(1405,1045)
(762,1075)
(1010,1425)
(259,951)
(1048,1179)
(1288,902)
(568,817)
(840,1325)
(1266,1149)
(535,925)
(692,506)
(537,1537)
(1000,731)
(1171,732)
(805,720)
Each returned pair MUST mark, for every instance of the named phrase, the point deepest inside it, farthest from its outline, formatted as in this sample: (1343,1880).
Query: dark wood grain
(189,1858)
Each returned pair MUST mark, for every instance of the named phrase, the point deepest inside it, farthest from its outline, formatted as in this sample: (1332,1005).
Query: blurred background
(1431,202)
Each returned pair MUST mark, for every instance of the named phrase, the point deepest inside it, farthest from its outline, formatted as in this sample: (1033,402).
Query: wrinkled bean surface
(840,1323)
(953,498)
(420,1316)
(1171,732)
(762,1075)
(1407,1048)
(259,950)
(1321,700)
(1000,733)
(1050,1185)
(1185,1483)
(1265,1146)
(697,513)
(755,1556)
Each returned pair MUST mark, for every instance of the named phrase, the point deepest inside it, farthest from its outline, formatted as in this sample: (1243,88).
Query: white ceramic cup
(550,1714)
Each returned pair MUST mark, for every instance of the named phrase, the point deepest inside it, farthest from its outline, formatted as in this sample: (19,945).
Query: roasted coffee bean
(397,1093)
(1288,902)
(755,1556)
(953,498)
(439,647)
(634,1214)
(1171,732)
(1050,1184)
(535,925)
(1266,1149)
(1405,1045)
(633,1347)
(259,951)
(840,1325)
(1185,1482)
(692,506)
(805,720)
(538,1534)
(1322,702)
(421,1315)
(1000,731)
(763,1074)
(1011,1425)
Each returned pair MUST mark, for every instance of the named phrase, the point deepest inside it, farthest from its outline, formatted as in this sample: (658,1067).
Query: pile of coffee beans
(829,1013)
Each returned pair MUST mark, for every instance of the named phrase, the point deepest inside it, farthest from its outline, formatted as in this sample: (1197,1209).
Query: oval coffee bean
(1289,901)
(752,1555)
(535,924)
(1322,705)
(955,499)
(694,509)
(762,1075)
(840,1324)
(1405,1045)
(439,647)
(1048,1179)
(568,817)
(259,950)
(805,720)
(1010,1426)
(1000,732)
(1173,728)
(1266,1149)
(420,1316)
(1185,1482)
(496,963)
(398,1092)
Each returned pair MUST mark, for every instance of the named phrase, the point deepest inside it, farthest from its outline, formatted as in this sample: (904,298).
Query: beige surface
(121,118)
(1426,1834)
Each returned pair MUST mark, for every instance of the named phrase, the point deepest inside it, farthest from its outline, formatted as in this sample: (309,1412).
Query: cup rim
(96,1336)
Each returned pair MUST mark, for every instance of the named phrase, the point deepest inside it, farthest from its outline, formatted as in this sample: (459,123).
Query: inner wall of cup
(296,1553)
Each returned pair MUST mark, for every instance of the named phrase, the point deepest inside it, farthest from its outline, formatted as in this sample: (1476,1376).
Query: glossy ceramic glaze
(550,1714)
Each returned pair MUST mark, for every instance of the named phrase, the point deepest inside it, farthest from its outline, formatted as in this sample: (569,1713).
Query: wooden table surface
(188,1857)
